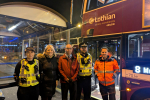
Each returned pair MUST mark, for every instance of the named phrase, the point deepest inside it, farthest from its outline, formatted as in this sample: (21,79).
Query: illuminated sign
(9,45)
(141,69)
(102,18)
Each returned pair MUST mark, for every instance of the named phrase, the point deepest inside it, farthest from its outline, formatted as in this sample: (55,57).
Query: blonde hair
(50,46)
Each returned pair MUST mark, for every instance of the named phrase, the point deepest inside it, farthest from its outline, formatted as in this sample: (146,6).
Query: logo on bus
(91,20)
(102,18)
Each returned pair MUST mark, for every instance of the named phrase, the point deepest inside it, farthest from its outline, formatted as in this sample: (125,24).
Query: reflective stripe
(85,68)
(106,71)
(84,73)
(22,70)
(117,70)
(28,82)
(34,81)
(107,82)
(37,63)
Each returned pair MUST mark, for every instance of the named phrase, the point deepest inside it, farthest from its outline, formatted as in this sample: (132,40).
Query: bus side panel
(132,15)
(128,17)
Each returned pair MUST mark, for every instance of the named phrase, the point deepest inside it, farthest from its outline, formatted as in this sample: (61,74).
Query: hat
(29,49)
(83,44)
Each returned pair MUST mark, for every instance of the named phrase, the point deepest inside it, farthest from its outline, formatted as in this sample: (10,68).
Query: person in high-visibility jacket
(27,76)
(85,72)
(106,69)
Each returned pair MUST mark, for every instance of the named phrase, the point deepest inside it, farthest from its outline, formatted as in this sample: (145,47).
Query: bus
(124,27)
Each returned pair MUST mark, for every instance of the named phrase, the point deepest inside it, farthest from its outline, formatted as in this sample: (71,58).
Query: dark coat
(49,75)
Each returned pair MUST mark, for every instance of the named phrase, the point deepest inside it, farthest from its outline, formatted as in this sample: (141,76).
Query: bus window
(139,45)
(93,4)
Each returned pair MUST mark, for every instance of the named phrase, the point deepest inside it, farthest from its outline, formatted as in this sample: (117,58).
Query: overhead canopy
(8,34)
(34,12)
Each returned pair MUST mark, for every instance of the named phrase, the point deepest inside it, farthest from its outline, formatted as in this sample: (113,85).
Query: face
(49,51)
(68,49)
(83,49)
(104,53)
(30,54)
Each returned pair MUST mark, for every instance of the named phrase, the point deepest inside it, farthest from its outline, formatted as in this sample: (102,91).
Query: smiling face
(104,53)
(49,52)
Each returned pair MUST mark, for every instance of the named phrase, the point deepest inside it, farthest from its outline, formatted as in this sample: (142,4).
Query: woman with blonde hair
(49,72)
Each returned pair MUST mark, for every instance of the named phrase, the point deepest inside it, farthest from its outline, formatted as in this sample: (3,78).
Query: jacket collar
(73,57)
(86,54)
(107,59)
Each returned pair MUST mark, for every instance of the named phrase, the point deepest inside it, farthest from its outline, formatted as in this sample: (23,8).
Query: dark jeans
(28,93)
(105,90)
(85,84)
(46,98)
(72,87)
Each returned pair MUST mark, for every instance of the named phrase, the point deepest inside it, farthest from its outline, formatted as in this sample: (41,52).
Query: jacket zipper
(104,73)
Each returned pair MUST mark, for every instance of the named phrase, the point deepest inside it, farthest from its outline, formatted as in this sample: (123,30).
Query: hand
(114,75)
(67,80)
(70,80)
(56,83)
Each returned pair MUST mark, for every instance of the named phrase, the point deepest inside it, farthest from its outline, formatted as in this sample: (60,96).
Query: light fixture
(128,89)
(79,25)
(15,26)
(27,31)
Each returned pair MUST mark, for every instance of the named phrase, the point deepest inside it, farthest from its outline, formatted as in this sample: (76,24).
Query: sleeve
(60,69)
(57,71)
(96,68)
(40,67)
(77,70)
(17,69)
(116,67)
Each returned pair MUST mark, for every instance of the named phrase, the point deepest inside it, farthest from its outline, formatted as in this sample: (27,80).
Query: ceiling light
(15,26)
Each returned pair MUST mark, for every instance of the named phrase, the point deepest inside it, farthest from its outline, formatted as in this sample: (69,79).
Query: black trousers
(105,90)
(72,87)
(46,98)
(28,93)
(85,84)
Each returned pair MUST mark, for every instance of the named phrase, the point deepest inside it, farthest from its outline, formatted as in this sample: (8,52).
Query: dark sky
(61,6)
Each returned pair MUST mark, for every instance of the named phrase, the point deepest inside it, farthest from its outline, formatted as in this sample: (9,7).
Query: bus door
(94,48)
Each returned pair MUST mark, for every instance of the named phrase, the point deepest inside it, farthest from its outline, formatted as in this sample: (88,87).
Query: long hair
(50,46)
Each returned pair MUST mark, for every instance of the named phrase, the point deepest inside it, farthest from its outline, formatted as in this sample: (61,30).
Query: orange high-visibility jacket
(105,70)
